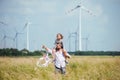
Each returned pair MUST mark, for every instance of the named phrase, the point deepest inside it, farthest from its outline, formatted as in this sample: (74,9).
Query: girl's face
(58,37)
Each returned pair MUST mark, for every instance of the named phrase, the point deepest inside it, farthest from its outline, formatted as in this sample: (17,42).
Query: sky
(49,17)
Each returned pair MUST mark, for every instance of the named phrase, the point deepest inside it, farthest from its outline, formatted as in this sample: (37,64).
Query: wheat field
(79,68)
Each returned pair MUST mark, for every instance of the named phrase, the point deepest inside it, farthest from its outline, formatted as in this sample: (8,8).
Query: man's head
(59,45)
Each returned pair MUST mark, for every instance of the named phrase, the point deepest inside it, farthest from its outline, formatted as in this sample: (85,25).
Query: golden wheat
(79,68)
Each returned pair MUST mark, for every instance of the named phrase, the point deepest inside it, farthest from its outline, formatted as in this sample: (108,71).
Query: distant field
(79,68)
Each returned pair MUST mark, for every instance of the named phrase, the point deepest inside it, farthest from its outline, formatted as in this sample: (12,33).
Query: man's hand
(43,47)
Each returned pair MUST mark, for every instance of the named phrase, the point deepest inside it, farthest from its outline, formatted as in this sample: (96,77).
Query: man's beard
(57,49)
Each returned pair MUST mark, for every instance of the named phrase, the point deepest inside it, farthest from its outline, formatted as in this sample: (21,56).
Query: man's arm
(66,54)
(47,49)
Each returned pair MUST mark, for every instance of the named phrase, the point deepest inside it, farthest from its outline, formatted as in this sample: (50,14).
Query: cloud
(15,7)
(48,7)
(98,10)
(105,19)
(38,6)
(29,7)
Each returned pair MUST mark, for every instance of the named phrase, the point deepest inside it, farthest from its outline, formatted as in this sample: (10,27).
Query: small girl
(59,38)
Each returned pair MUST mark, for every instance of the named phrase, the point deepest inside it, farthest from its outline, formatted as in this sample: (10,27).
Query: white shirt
(59,58)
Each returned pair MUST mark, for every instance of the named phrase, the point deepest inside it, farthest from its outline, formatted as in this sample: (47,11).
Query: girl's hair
(60,35)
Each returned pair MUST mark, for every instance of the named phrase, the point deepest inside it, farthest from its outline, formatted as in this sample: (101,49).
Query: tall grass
(79,68)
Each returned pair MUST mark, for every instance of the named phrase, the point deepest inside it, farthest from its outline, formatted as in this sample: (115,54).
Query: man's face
(58,46)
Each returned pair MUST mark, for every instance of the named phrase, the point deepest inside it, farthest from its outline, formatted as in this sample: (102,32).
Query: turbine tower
(69,38)
(80,7)
(4,39)
(74,34)
(86,43)
(16,37)
(27,38)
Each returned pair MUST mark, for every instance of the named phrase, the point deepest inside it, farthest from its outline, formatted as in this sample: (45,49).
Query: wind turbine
(80,7)
(27,38)
(16,37)
(4,39)
(86,42)
(69,38)
(74,34)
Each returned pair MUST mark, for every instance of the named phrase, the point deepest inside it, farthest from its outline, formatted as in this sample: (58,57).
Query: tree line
(95,53)
(25,52)
(16,52)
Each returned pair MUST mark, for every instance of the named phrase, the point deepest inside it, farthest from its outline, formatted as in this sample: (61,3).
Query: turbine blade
(3,23)
(9,37)
(15,35)
(3,37)
(78,6)
(87,10)
(26,24)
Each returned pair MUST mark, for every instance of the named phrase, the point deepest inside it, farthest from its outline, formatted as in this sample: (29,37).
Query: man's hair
(61,45)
